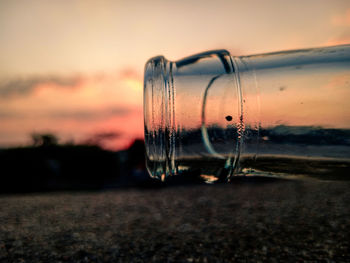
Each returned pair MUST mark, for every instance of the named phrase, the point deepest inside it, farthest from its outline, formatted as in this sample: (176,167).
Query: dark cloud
(79,115)
(4,114)
(89,115)
(23,86)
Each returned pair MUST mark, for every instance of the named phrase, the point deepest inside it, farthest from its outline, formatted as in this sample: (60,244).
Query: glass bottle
(214,116)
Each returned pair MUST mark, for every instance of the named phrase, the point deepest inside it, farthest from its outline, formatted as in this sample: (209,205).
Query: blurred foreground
(246,221)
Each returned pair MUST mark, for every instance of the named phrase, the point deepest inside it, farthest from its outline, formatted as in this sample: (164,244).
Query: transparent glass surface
(215,116)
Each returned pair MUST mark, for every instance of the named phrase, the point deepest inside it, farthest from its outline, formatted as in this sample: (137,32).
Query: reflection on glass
(214,115)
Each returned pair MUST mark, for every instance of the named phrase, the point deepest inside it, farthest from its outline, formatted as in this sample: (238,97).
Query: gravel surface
(273,221)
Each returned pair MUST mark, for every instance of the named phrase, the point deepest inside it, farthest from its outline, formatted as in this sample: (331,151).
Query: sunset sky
(75,68)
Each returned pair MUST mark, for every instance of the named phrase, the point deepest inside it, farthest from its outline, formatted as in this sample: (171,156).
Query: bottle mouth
(159,117)
(206,93)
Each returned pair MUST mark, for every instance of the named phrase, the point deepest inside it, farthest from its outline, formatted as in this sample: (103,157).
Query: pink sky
(75,68)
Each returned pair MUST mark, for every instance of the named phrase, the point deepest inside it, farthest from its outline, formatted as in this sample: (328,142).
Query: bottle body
(215,116)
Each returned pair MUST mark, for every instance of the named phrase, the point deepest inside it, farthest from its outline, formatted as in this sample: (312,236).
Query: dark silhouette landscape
(47,165)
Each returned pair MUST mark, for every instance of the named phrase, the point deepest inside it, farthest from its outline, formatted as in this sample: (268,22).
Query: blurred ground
(248,220)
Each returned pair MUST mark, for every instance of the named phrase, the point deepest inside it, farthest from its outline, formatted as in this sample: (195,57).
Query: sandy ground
(272,221)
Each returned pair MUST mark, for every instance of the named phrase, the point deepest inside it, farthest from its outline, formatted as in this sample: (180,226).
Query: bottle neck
(294,105)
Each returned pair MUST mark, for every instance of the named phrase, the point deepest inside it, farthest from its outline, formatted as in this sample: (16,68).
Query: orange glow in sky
(75,68)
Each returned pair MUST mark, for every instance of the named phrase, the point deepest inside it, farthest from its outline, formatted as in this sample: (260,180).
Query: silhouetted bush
(52,167)
(45,139)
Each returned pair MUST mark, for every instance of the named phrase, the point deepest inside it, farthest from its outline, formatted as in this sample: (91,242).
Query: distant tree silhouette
(44,139)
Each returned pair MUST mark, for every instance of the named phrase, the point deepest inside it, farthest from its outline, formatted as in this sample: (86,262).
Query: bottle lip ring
(159,117)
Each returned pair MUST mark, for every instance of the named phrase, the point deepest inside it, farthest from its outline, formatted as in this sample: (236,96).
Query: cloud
(78,115)
(24,86)
(4,114)
(90,114)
